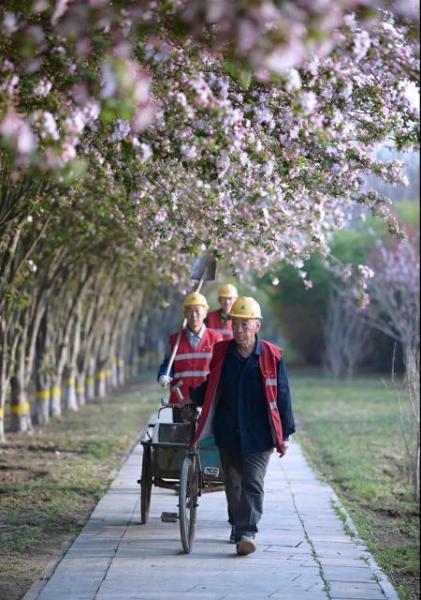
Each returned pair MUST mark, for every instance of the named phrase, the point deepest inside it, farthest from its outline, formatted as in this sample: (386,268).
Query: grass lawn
(50,481)
(351,433)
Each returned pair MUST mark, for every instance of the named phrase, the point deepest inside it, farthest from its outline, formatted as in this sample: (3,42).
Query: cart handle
(166,404)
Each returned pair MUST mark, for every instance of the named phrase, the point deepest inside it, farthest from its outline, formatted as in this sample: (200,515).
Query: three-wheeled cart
(170,460)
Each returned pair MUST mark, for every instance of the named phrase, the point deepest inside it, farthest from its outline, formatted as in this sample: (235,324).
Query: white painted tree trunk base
(21,423)
(70,399)
(90,388)
(55,402)
(42,411)
(102,385)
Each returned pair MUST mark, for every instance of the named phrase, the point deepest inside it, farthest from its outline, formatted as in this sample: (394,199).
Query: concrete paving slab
(303,551)
(349,574)
(356,591)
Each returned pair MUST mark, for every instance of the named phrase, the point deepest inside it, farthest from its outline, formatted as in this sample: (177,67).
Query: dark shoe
(246,545)
(232,536)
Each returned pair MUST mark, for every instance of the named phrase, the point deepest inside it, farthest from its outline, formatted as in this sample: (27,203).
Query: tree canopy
(197,126)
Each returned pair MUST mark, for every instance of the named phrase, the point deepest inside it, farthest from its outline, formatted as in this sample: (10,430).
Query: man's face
(226,304)
(195,316)
(244,330)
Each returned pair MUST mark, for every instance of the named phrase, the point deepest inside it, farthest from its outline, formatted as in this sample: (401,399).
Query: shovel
(203,269)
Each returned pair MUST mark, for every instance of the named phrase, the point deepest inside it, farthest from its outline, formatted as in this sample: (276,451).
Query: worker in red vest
(247,406)
(192,359)
(220,320)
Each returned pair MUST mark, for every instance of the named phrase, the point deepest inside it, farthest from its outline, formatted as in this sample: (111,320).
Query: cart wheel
(145,484)
(189,491)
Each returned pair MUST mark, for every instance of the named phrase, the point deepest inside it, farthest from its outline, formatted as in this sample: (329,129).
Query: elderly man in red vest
(194,353)
(247,405)
(220,320)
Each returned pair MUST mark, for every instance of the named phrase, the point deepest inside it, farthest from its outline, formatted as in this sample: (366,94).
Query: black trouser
(243,477)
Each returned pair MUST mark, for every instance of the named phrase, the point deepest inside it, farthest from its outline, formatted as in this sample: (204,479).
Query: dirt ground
(51,480)
(21,463)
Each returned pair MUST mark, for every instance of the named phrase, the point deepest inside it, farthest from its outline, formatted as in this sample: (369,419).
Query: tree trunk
(71,395)
(19,407)
(81,388)
(102,377)
(90,379)
(103,374)
(70,399)
(55,396)
(2,405)
(42,399)
(133,355)
(42,378)
(8,347)
(121,371)
(3,386)
(90,387)
(114,374)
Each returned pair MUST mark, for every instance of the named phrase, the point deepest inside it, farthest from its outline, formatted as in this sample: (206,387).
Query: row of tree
(128,145)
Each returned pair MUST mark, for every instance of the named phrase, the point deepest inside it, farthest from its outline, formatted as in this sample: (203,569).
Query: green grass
(51,480)
(352,434)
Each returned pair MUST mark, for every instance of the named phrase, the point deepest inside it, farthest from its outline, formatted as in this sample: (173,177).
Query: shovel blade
(204,268)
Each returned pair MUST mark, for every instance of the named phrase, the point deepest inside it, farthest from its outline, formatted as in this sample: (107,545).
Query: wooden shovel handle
(175,348)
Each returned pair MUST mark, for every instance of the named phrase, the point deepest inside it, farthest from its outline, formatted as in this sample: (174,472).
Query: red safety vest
(214,321)
(191,365)
(269,362)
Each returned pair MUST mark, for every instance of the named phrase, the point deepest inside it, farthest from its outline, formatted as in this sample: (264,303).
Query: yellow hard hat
(195,299)
(246,308)
(227,291)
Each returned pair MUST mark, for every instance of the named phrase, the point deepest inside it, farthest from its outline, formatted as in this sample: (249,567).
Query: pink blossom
(121,131)
(39,5)
(59,10)
(43,87)
(146,152)
(161,215)
(10,23)
(293,80)
(91,110)
(268,168)
(308,102)
(188,151)
(48,125)
(75,123)
(18,133)
(362,43)
(109,82)
(9,85)
(181,98)
(366,273)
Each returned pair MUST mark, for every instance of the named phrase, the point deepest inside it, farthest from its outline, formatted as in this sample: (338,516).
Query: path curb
(382,578)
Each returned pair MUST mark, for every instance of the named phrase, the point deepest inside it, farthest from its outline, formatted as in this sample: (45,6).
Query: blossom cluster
(273,36)
(195,150)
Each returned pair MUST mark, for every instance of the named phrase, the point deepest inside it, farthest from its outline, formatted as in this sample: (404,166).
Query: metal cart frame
(170,460)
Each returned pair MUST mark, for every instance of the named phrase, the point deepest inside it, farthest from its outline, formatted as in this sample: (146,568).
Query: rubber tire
(187,505)
(145,485)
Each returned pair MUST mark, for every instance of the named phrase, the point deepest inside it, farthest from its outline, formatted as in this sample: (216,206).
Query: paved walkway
(303,551)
